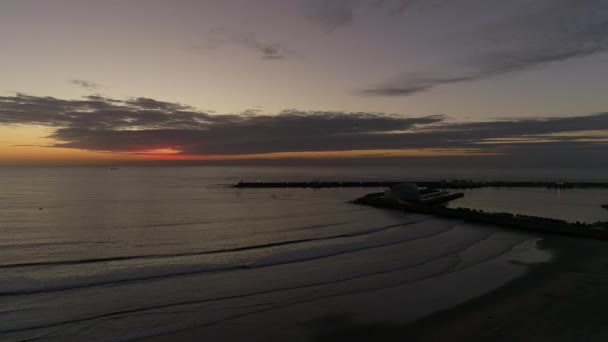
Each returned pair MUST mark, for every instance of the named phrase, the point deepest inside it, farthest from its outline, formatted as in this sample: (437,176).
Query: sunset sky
(120,81)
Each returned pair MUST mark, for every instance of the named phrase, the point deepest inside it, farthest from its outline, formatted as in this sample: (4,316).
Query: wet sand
(564,300)
(561,300)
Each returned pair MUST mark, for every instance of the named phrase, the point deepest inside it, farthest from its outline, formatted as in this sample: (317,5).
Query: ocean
(155,253)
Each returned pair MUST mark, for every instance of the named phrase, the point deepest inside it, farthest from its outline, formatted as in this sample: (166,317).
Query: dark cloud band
(104,124)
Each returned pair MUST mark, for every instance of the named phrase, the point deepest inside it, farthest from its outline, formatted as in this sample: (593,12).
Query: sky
(450,82)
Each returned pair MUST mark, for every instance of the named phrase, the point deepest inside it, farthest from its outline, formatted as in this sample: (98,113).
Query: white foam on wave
(61,277)
(396,235)
(420,264)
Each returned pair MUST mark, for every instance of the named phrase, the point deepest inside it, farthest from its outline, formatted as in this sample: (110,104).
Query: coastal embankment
(533,223)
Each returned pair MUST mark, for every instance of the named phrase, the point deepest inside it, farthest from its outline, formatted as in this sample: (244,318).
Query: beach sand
(564,300)
(561,300)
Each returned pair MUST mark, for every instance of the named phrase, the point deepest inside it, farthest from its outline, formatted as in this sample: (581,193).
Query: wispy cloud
(88,85)
(566,30)
(264,49)
(335,14)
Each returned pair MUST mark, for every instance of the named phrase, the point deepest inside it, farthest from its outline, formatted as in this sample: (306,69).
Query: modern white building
(410,192)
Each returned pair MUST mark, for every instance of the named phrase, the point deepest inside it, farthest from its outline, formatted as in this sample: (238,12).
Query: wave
(208,252)
(47,244)
(151,273)
(328,251)
(455,267)
(186,224)
(452,260)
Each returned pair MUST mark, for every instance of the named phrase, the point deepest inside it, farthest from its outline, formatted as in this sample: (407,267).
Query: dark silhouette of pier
(598,230)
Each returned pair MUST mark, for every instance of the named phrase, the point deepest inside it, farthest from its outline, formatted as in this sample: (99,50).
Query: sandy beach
(562,300)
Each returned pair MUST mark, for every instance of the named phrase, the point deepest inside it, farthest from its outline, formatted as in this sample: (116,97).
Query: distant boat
(113,168)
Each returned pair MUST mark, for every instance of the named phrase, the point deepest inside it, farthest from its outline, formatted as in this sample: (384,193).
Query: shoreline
(559,300)
(555,301)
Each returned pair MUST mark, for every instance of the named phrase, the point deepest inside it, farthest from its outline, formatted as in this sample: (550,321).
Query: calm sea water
(93,254)
(584,205)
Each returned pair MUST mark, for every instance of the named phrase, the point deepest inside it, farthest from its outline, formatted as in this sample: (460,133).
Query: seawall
(545,225)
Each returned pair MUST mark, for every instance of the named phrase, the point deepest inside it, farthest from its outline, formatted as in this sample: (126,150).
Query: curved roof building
(403,192)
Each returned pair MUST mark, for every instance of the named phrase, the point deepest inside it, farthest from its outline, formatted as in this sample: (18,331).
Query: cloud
(88,85)
(105,124)
(137,125)
(409,85)
(566,30)
(335,14)
(264,49)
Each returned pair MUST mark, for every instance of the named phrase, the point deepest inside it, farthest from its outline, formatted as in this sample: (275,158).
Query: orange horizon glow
(29,145)
(423,152)
(25,155)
